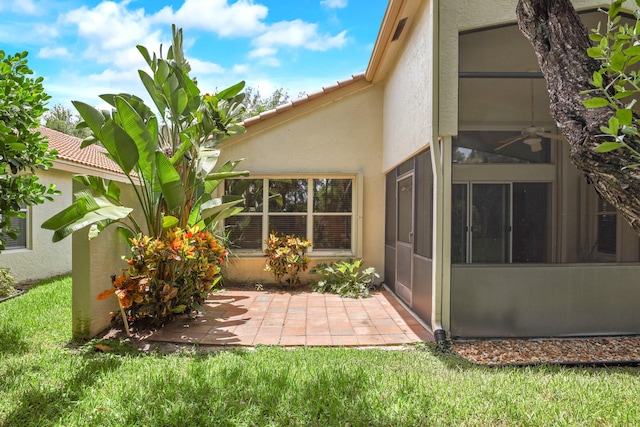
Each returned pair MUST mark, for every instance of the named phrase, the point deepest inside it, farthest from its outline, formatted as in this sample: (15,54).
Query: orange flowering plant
(287,256)
(168,275)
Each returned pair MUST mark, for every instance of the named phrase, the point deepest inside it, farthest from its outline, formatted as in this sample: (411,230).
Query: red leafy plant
(168,275)
(287,256)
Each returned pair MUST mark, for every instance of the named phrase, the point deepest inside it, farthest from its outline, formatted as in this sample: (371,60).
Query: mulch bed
(570,351)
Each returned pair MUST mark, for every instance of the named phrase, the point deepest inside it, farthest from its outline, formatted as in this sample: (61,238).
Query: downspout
(437,162)
(439,332)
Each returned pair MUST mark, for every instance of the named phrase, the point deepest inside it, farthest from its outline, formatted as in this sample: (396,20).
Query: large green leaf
(119,145)
(100,186)
(230,92)
(135,127)
(84,211)
(179,100)
(126,149)
(220,207)
(92,117)
(207,159)
(213,180)
(172,188)
(150,85)
(185,145)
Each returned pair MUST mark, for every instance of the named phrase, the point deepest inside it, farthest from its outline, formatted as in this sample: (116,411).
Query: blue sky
(84,48)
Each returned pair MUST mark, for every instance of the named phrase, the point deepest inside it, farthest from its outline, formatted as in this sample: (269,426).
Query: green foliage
(169,157)
(47,381)
(64,120)
(168,275)
(7,283)
(617,82)
(256,103)
(22,152)
(287,258)
(345,278)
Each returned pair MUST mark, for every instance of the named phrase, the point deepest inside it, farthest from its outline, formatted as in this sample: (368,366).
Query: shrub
(168,275)
(7,283)
(345,278)
(287,256)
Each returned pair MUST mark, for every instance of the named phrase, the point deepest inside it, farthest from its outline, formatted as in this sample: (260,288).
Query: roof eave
(387,47)
(301,106)
(76,168)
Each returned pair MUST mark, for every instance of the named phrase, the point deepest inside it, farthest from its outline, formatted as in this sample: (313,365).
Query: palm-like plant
(169,157)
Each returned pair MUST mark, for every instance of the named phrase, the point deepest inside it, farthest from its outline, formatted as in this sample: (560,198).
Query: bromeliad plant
(168,275)
(7,283)
(169,157)
(287,256)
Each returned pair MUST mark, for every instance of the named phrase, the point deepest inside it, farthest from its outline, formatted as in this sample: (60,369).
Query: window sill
(312,255)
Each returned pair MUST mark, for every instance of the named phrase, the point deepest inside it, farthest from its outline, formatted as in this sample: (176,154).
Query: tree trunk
(560,41)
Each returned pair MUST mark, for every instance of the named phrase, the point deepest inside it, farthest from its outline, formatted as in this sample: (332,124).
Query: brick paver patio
(242,317)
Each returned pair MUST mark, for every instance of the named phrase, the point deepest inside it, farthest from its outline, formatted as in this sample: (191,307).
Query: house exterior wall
(541,301)
(408,95)
(343,137)
(43,258)
(94,261)
(557,299)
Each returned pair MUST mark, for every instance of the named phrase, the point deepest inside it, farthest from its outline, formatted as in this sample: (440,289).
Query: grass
(47,380)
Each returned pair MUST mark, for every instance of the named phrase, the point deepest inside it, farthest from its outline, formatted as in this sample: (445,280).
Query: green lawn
(47,380)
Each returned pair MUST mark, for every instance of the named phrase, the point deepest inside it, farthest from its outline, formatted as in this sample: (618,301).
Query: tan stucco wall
(94,261)
(344,137)
(408,95)
(43,258)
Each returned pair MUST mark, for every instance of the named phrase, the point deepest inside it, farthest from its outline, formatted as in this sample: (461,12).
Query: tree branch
(560,41)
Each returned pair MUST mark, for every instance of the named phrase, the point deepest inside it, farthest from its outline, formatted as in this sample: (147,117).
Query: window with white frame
(21,226)
(316,208)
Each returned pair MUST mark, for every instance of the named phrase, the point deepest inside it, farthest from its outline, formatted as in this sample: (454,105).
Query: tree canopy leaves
(22,151)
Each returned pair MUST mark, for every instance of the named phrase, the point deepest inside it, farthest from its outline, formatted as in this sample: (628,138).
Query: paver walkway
(245,317)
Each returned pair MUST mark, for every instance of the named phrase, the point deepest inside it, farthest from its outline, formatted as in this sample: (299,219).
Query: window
(319,209)
(607,228)
(423,205)
(501,223)
(21,224)
(484,147)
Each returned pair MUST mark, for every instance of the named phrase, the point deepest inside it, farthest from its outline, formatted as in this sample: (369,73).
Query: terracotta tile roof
(325,90)
(69,149)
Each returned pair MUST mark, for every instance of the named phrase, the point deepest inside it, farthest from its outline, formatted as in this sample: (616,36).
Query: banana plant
(168,154)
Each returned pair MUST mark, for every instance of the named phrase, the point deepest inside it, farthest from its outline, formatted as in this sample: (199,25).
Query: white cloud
(53,52)
(334,4)
(26,7)
(240,69)
(295,33)
(199,68)
(242,18)
(111,25)
(262,52)
(68,86)
(112,31)
(270,62)
(45,31)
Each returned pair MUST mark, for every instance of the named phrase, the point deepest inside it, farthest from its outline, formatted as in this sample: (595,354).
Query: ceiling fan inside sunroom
(532,135)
